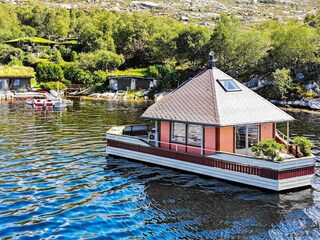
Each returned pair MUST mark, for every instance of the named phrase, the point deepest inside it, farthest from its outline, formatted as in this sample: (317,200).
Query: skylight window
(229,85)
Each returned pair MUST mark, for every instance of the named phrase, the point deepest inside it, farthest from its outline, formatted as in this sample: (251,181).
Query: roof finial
(212,62)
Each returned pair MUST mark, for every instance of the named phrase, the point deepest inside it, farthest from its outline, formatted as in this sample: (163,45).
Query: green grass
(70,42)
(16,71)
(139,72)
(31,39)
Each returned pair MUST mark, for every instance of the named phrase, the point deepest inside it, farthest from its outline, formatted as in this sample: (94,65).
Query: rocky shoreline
(313,104)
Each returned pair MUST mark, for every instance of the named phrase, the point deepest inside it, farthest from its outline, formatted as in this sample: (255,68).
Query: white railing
(283,136)
(154,143)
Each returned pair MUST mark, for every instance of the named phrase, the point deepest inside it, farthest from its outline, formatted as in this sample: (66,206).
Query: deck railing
(283,136)
(167,145)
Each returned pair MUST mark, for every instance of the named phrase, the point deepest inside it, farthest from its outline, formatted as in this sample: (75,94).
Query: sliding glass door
(246,137)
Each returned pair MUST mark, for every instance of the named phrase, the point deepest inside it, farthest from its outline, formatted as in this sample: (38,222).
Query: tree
(76,75)
(32,16)
(224,40)
(238,50)
(9,53)
(167,75)
(48,72)
(100,60)
(9,23)
(191,46)
(56,23)
(90,38)
(282,81)
(293,45)
(251,48)
(99,79)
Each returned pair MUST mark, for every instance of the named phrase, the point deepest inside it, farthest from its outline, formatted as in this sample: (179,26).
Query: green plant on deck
(304,145)
(268,148)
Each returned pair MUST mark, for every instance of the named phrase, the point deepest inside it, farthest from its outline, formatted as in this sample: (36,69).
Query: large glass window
(246,137)
(194,134)
(178,132)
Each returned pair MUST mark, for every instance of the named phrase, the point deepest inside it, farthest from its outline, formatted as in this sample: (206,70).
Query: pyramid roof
(205,100)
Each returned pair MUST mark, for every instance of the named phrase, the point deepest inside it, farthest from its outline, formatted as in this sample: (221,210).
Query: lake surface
(55,182)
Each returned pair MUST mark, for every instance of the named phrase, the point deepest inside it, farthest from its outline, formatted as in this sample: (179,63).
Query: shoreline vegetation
(279,60)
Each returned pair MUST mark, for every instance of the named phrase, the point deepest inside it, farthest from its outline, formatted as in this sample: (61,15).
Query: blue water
(55,182)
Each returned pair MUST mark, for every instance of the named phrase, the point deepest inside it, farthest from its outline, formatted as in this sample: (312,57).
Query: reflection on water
(56,182)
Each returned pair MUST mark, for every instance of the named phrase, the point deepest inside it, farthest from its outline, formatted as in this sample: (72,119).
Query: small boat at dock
(48,101)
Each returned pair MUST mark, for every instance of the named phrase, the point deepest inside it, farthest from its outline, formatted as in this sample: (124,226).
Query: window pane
(194,134)
(229,85)
(16,83)
(241,137)
(252,135)
(178,132)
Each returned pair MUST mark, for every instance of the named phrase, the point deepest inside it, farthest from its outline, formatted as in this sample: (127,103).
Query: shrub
(304,145)
(77,75)
(52,86)
(9,53)
(268,148)
(48,72)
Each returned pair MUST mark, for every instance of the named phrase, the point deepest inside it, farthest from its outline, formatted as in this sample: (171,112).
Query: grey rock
(300,75)
(314,104)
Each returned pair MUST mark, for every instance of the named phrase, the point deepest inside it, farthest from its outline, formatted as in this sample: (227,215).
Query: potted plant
(268,148)
(304,145)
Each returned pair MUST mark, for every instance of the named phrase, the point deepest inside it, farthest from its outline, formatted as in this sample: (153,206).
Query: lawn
(138,72)
(31,39)
(16,71)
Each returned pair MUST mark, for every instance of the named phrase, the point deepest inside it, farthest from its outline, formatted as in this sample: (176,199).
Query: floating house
(208,126)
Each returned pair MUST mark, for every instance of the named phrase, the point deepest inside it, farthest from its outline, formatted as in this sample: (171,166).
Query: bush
(48,72)
(9,53)
(304,145)
(268,148)
(52,86)
(77,75)
(100,60)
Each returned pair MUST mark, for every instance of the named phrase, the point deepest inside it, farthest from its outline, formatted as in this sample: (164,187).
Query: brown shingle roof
(194,102)
(203,100)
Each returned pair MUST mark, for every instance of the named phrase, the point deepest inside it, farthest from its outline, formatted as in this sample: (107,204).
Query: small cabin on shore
(212,112)
(131,82)
(15,78)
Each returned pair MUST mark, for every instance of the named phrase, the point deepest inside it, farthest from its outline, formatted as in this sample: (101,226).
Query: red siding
(194,150)
(210,139)
(164,134)
(226,139)
(266,131)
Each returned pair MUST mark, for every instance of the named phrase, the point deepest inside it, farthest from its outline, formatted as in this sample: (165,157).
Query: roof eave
(180,121)
(215,124)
